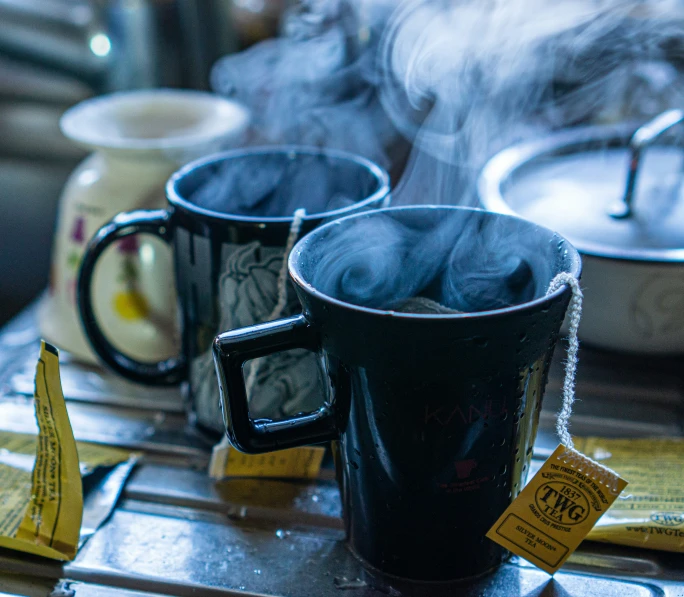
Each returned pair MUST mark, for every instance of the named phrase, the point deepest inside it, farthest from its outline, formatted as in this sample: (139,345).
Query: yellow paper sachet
(556,510)
(295,463)
(17,458)
(651,514)
(52,519)
(41,491)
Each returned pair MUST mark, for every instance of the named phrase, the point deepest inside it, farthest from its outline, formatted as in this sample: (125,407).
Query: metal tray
(176,532)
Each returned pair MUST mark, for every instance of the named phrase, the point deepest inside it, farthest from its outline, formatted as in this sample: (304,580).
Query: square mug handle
(233,349)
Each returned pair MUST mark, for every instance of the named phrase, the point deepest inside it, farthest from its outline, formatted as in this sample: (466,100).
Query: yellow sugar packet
(560,505)
(51,521)
(651,514)
(41,490)
(295,463)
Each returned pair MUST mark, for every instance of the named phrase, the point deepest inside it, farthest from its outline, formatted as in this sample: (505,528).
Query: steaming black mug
(228,220)
(436,414)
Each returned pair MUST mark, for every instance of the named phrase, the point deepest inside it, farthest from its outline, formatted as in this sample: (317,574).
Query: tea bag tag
(555,511)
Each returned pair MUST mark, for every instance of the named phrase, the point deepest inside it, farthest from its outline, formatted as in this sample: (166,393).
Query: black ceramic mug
(436,414)
(228,220)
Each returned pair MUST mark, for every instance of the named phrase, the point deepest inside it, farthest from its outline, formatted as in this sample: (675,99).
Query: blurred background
(55,53)
(358,75)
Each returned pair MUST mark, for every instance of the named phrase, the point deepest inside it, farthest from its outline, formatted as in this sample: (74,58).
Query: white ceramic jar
(138,140)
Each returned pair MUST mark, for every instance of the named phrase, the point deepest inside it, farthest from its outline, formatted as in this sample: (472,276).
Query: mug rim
(297,278)
(176,199)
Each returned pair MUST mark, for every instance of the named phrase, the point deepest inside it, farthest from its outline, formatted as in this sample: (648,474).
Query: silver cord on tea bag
(574,315)
(292,237)
(295,228)
(597,471)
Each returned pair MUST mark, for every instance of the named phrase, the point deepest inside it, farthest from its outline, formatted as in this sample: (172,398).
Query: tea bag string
(598,471)
(295,228)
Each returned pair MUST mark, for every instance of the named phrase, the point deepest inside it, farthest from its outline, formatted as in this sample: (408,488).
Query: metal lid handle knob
(644,136)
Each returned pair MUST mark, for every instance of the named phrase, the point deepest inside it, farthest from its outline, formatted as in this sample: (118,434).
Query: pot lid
(611,191)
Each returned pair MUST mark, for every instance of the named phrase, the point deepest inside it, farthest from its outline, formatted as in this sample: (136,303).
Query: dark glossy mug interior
(435,416)
(269,184)
(201,225)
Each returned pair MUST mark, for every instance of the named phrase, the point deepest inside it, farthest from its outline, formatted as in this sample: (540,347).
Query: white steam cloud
(454,81)
(464,79)
(431,89)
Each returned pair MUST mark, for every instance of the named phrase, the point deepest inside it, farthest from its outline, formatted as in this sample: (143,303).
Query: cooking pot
(616,193)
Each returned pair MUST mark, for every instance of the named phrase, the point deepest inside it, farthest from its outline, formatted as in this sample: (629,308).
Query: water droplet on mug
(354,465)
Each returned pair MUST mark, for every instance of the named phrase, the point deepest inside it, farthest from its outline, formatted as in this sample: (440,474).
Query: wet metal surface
(176,532)
(90,384)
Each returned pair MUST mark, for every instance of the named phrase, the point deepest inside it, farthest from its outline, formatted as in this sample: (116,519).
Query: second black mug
(228,221)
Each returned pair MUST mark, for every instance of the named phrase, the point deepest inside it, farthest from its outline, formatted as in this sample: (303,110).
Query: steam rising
(454,260)
(276,184)
(381,261)
(316,85)
(456,81)
(465,79)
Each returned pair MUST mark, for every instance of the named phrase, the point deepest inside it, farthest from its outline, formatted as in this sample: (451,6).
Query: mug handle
(157,222)
(233,349)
